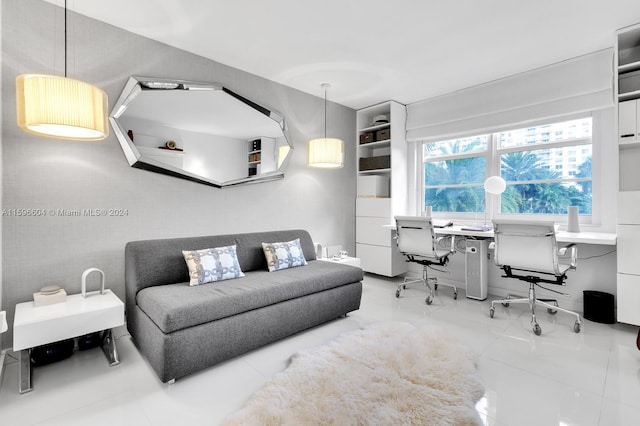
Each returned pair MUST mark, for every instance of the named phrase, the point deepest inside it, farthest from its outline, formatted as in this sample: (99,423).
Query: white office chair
(528,251)
(418,243)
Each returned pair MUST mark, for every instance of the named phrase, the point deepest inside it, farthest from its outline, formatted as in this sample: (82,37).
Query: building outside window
(547,168)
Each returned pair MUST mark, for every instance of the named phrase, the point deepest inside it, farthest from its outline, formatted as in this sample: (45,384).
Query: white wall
(48,174)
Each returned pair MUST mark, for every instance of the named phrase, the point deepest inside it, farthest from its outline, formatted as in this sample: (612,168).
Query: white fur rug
(386,374)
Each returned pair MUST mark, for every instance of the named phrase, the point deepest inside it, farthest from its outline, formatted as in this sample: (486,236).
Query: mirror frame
(137,160)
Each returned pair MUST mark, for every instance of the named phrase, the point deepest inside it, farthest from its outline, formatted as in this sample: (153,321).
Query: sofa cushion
(283,255)
(212,264)
(177,306)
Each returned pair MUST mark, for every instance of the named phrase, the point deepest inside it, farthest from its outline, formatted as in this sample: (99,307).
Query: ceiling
(371,51)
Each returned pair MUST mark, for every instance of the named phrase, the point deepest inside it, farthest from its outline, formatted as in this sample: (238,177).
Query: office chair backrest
(526,245)
(415,235)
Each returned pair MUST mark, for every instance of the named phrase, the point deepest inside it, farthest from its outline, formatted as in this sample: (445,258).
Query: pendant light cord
(325,112)
(65,38)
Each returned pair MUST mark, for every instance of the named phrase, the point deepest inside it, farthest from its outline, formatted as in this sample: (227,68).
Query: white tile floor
(559,378)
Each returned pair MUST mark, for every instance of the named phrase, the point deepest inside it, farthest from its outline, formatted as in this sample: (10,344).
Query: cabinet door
(374,207)
(372,230)
(627,121)
(629,299)
(379,260)
(629,208)
(628,242)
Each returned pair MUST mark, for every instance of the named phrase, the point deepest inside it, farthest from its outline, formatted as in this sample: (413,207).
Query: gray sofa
(182,329)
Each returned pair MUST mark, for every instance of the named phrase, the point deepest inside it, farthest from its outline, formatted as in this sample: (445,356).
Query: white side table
(353,261)
(35,326)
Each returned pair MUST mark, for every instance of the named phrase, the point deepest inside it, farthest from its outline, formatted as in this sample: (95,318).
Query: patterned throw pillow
(213,264)
(284,255)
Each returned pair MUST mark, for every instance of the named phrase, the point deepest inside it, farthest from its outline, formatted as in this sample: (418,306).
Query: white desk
(601,238)
(35,326)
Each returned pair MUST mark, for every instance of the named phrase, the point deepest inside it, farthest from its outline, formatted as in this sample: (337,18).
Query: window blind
(573,86)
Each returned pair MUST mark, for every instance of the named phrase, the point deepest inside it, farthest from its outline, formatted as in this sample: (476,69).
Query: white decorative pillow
(213,264)
(284,255)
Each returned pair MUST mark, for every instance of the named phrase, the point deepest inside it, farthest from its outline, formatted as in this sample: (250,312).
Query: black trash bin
(599,307)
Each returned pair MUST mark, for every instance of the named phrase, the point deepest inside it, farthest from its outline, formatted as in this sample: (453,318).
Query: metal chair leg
(532,301)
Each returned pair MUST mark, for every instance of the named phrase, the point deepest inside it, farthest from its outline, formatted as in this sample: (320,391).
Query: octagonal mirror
(198,131)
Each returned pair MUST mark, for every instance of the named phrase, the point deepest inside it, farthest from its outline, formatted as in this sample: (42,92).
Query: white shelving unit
(627,82)
(382,159)
(254,156)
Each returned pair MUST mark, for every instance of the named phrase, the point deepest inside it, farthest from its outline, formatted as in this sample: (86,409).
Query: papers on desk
(478,228)
(441,223)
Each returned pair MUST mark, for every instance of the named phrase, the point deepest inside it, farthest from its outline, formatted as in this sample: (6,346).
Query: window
(547,169)
(454,172)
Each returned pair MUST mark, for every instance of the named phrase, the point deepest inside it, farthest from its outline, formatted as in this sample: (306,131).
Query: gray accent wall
(56,177)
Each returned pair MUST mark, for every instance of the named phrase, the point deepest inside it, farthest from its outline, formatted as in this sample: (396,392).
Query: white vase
(573,223)
(427,211)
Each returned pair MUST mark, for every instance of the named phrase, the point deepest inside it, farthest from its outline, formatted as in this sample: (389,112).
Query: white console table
(35,326)
(353,261)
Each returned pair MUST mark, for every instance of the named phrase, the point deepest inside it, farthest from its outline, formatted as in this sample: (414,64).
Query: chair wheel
(429,300)
(435,286)
(455,295)
(537,330)
(398,293)
(506,305)
(576,327)
(552,311)
(404,286)
(492,312)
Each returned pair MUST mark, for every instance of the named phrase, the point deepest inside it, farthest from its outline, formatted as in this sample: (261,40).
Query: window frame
(492,158)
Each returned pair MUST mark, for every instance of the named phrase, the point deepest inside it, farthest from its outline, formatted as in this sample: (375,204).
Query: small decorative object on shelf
(573,223)
(52,352)
(49,295)
(171,146)
(380,119)
(367,137)
(84,280)
(383,134)
(372,163)
(89,341)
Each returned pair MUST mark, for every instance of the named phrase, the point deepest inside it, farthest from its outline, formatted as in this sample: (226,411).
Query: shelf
(159,151)
(628,96)
(255,152)
(630,67)
(376,127)
(377,144)
(254,162)
(374,171)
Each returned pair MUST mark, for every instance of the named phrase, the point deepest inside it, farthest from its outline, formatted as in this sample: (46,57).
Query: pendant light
(326,153)
(61,107)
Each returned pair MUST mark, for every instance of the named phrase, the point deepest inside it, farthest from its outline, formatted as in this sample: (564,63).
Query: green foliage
(458,185)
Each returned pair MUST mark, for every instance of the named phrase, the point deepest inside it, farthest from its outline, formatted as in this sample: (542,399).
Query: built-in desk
(600,238)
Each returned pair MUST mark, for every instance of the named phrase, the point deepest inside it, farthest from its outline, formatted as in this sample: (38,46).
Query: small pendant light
(326,153)
(61,107)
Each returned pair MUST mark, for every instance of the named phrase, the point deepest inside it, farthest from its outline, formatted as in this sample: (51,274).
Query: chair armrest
(573,253)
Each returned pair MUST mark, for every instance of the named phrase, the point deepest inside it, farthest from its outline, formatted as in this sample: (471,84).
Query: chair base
(533,301)
(425,280)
